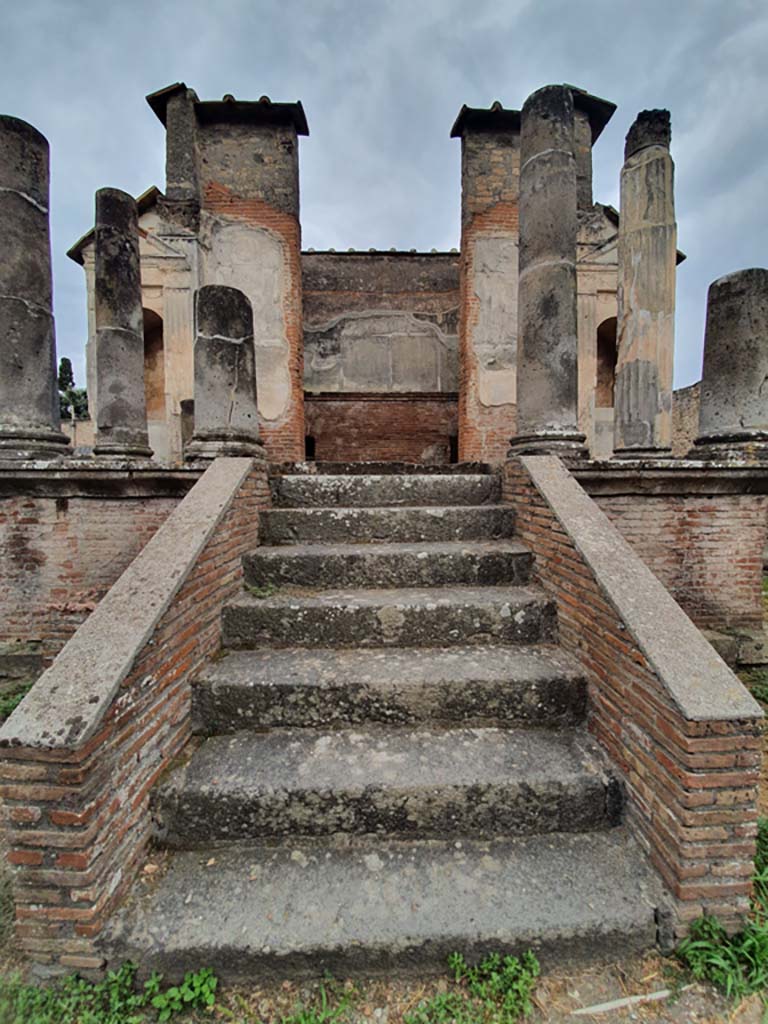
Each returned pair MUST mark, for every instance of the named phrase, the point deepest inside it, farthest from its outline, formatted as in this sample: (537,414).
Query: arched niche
(606,363)
(154,365)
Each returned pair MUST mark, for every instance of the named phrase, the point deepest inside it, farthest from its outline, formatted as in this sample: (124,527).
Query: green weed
(735,964)
(10,701)
(497,991)
(261,592)
(114,1000)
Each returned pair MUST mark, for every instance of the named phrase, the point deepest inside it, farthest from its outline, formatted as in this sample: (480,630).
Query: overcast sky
(381,82)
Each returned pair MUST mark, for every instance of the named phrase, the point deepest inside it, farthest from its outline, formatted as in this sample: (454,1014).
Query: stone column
(490,167)
(733,414)
(29,399)
(121,414)
(225,409)
(646,293)
(547,378)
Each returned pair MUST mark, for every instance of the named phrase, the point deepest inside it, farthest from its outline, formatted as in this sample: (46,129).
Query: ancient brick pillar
(733,414)
(547,381)
(226,413)
(29,400)
(646,292)
(232,170)
(490,164)
(121,413)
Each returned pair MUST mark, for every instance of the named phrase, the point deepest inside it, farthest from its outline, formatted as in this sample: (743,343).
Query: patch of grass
(261,592)
(497,991)
(735,964)
(114,1000)
(11,700)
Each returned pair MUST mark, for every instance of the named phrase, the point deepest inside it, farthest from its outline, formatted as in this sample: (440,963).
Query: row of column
(226,417)
(734,394)
(734,391)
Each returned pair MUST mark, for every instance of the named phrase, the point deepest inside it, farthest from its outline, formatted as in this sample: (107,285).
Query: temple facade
(360,355)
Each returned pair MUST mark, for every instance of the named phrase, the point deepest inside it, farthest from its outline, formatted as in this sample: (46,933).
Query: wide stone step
(396,618)
(326,687)
(480,563)
(348,491)
(378,468)
(408,525)
(405,781)
(375,907)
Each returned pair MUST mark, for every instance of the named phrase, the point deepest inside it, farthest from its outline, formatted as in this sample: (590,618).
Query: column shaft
(647,254)
(733,415)
(547,381)
(29,401)
(121,415)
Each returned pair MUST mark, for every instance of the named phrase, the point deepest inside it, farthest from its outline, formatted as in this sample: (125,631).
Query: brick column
(29,400)
(646,293)
(233,179)
(490,165)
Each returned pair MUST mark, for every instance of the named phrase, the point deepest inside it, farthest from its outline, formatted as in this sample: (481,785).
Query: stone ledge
(90,478)
(66,706)
(698,681)
(651,477)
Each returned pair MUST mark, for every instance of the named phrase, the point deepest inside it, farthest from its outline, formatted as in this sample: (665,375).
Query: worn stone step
(382,490)
(326,687)
(407,781)
(480,563)
(378,468)
(423,617)
(372,906)
(408,525)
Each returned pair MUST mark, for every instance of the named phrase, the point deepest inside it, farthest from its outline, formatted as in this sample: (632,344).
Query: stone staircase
(392,760)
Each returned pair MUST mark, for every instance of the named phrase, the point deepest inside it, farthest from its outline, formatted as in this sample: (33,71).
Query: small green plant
(261,592)
(497,991)
(735,964)
(113,1000)
(197,991)
(10,701)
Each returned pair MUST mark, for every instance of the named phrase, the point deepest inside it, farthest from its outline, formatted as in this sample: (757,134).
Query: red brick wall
(381,428)
(706,550)
(691,785)
(283,438)
(353,282)
(79,817)
(59,556)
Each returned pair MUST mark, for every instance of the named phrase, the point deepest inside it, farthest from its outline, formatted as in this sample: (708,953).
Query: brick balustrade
(81,753)
(679,726)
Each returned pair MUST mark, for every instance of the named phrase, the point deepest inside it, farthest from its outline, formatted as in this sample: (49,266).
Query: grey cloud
(382,81)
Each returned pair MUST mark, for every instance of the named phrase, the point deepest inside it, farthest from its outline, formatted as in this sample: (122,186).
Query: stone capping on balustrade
(698,681)
(67,704)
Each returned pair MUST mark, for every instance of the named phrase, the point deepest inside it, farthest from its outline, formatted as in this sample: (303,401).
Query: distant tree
(73,402)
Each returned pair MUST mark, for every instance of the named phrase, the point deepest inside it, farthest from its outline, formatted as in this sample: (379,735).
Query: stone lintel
(495,118)
(231,111)
(598,111)
(498,118)
(81,478)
